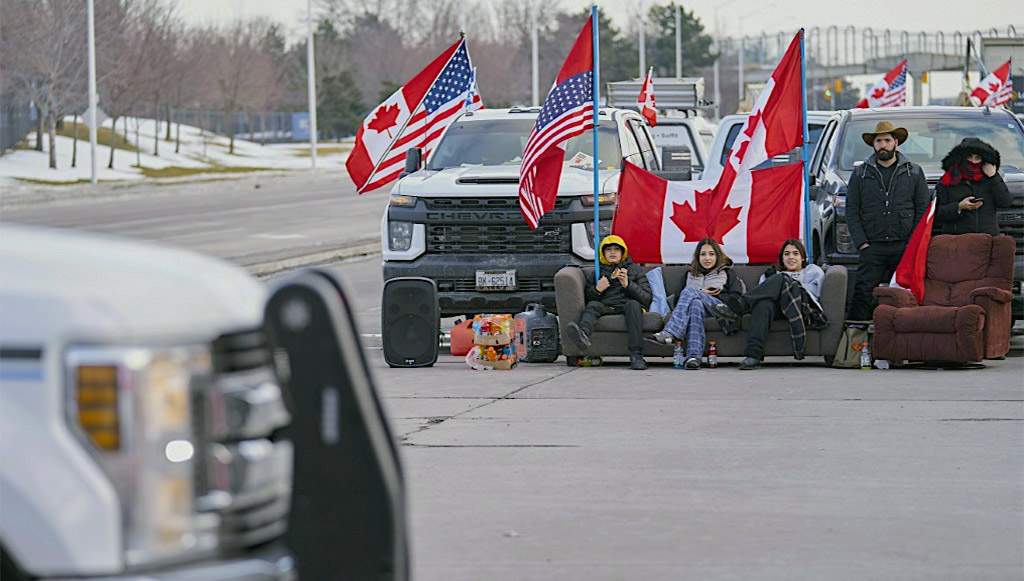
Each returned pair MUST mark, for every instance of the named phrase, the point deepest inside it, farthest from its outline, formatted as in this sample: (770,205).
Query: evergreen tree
(341,108)
(661,53)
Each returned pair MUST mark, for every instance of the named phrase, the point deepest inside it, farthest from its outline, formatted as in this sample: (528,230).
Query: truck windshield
(929,140)
(814,134)
(501,142)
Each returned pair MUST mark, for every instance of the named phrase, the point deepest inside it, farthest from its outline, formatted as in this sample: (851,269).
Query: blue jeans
(687,320)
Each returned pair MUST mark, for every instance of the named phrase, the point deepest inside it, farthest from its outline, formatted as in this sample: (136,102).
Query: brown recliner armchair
(965,315)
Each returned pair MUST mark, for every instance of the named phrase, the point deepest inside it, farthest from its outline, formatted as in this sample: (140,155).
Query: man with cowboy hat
(885,199)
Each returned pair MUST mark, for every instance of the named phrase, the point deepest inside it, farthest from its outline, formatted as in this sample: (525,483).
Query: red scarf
(959,171)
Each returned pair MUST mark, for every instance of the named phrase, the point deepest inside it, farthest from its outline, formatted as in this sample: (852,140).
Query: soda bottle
(712,355)
(865,357)
(678,356)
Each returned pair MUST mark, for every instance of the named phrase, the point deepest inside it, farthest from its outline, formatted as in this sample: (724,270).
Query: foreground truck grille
(497,204)
(497,238)
(245,475)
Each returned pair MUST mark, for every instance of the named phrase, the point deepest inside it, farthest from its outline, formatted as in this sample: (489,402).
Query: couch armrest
(569,299)
(989,293)
(894,296)
(833,304)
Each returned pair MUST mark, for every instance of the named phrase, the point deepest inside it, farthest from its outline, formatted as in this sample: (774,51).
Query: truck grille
(497,204)
(468,285)
(498,238)
(1011,221)
(245,474)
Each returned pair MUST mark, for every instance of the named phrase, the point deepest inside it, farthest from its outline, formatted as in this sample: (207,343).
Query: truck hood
(496,181)
(66,286)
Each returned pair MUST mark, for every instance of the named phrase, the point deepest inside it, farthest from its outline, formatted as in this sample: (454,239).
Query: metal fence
(261,127)
(15,120)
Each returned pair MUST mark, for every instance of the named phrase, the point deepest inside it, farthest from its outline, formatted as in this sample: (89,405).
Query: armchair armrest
(833,304)
(992,293)
(569,299)
(894,296)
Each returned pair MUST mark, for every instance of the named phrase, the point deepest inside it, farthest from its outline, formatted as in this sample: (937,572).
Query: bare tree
(237,50)
(40,41)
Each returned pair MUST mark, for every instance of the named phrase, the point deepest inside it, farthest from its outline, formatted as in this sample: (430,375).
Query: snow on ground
(199,150)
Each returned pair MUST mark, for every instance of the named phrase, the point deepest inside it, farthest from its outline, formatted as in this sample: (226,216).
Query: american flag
(568,111)
(891,91)
(453,92)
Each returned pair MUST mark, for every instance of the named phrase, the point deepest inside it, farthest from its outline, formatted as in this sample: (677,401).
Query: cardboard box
(502,364)
(495,339)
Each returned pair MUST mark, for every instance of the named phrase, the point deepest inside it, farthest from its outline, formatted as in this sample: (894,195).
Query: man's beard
(885,154)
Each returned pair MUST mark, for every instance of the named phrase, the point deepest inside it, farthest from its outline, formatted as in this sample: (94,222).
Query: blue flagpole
(597,179)
(806,155)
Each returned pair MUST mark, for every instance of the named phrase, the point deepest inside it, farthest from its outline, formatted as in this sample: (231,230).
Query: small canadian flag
(646,100)
(995,89)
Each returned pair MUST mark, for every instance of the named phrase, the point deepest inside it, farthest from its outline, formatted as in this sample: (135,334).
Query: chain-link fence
(15,120)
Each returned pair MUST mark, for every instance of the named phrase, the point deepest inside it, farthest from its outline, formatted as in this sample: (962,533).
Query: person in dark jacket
(886,198)
(706,283)
(621,289)
(791,290)
(970,191)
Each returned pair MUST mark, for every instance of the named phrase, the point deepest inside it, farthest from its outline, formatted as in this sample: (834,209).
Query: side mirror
(413,160)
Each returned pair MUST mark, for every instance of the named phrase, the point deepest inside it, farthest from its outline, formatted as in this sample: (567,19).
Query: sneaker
(692,363)
(723,311)
(636,362)
(750,363)
(577,335)
(660,338)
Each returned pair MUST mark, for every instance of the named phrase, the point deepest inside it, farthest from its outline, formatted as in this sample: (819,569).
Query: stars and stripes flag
(568,111)
(413,116)
(646,100)
(891,91)
(750,212)
(995,89)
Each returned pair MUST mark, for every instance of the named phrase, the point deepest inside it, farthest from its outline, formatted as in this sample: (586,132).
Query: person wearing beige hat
(886,197)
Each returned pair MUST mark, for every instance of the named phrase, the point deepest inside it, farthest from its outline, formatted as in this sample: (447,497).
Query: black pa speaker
(347,518)
(410,322)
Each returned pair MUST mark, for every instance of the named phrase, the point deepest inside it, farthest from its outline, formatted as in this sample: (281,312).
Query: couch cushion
(617,323)
(925,320)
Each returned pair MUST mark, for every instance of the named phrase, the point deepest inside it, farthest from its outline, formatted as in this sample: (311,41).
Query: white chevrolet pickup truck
(138,411)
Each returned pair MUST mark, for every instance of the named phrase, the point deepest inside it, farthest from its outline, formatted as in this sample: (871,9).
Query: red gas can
(462,338)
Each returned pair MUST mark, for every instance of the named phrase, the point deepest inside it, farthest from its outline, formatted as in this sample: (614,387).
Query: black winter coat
(876,215)
(991,190)
(639,289)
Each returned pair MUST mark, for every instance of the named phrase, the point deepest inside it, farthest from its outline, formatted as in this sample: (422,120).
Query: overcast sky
(764,15)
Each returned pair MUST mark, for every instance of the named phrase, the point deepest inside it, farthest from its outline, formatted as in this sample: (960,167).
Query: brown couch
(966,312)
(609,336)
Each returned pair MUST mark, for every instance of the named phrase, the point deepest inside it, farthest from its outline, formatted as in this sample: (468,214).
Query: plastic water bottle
(712,355)
(865,357)
(678,356)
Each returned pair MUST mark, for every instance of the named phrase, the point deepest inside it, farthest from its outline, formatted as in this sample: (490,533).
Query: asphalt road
(258,219)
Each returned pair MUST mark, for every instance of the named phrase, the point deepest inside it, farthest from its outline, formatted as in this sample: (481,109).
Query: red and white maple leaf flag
(656,216)
(995,89)
(911,269)
(891,91)
(749,212)
(646,100)
(413,116)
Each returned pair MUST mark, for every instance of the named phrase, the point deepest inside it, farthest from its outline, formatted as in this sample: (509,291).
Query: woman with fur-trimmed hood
(970,191)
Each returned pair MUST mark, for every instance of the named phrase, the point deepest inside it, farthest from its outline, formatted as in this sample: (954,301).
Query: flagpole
(806,156)
(597,180)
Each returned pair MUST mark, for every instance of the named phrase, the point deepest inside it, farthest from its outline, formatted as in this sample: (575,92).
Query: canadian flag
(995,89)
(646,100)
(749,212)
(911,269)
(891,91)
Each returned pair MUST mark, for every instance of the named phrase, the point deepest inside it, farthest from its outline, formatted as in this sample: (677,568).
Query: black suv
(933,131)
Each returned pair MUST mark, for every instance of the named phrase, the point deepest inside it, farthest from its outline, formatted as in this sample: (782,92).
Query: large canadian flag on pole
(995,89)
(413,116)
(749,212)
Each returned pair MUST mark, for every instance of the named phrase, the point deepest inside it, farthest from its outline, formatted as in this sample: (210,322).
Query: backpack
(855,335)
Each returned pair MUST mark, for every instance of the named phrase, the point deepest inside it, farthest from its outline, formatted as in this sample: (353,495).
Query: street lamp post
(311,85)
(92,93)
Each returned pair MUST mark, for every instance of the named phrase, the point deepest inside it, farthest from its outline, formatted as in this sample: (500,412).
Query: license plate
(496,280)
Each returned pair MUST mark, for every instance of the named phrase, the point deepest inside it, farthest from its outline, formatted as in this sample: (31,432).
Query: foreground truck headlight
(133,409)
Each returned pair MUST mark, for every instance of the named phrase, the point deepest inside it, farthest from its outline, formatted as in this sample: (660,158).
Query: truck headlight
(132,407)
(604,225)
(602,199)
(399,236)
(844,242)
(402,201)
